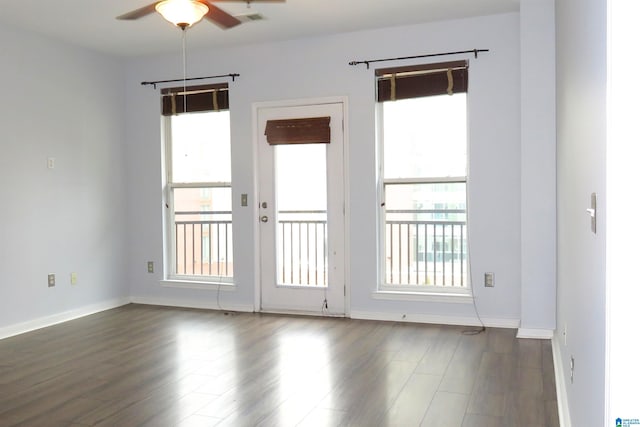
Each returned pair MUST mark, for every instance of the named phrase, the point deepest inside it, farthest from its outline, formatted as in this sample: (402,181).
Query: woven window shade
(422,80)
(312,130)
(197,99)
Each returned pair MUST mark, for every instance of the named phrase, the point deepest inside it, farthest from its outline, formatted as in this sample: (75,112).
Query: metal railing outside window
(203,244)
(425,252)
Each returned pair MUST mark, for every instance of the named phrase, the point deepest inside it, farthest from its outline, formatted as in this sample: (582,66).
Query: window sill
(195,284)
(448,297)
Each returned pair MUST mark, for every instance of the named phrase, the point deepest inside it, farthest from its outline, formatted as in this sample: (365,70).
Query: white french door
(301,214)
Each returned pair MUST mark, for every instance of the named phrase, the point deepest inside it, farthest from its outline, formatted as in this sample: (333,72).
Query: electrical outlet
(74,278)
(244,200)
(149,266)
(489,280)
(51,280)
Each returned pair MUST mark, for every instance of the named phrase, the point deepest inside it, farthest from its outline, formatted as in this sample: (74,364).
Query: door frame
(255,107)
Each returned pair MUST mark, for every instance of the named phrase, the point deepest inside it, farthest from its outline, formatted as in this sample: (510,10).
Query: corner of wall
(561,387)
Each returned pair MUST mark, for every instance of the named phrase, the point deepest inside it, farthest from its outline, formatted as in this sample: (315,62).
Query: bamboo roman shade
(197,99)
(416,81)
(311,130)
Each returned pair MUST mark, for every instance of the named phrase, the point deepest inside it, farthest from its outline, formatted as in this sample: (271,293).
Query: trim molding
(65,316)
(536,334)
(188,303)
(207,286)
(561,387)
(423,296)
(435,319)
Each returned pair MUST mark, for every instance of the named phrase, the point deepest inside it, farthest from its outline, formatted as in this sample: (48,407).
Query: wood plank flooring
(156,366)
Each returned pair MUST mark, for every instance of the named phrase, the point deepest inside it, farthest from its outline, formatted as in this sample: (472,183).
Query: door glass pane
(301,197)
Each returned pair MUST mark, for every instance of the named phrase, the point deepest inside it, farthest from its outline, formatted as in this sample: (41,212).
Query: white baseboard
(187,303)
(54,319)
(561,386)
(435,319)
(536,334)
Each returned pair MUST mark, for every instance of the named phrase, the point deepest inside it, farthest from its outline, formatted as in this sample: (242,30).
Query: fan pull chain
(184,69)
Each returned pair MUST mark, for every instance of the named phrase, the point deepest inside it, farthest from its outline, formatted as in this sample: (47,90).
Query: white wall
(538,162)
(318,67)
(63,102)
(581,90)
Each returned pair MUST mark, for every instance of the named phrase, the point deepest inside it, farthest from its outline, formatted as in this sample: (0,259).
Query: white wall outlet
(51,280)
(489,280)
(51,162)
(74,278)
(149,266)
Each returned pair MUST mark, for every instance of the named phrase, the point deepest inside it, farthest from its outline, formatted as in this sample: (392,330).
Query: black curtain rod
(370,61)
(232,75)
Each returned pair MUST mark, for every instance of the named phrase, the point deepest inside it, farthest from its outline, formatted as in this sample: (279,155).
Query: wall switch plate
(51,162)
(489,280)
(593,211)
(74,278)
(572,366)
(51,280)
(244,200)
(149,266)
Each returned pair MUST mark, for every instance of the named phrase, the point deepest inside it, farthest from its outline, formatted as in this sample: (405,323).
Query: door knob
(264,218)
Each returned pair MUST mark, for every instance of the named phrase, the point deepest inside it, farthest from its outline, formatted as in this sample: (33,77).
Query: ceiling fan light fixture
(182,13)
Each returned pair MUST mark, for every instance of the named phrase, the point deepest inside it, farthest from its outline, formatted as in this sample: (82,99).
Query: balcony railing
(428,250)
(425,252)
(204,244)
(302,248)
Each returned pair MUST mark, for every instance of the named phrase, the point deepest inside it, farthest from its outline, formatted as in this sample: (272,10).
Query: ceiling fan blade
(139,13)
(220,17)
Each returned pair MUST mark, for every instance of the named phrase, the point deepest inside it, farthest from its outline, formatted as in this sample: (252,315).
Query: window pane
(425,137)
(201,148)
(426,202)
(425,235)
(202,200)
(203,233)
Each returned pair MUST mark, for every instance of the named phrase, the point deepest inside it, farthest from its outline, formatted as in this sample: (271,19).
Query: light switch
(243,200)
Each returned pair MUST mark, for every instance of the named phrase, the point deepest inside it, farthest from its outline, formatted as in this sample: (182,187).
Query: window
(199,238)
(422,118)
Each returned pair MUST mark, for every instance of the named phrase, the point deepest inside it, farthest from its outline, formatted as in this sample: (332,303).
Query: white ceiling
(92,23)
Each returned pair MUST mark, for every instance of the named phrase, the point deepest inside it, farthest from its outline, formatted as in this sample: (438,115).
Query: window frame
(169,240)
(414,291)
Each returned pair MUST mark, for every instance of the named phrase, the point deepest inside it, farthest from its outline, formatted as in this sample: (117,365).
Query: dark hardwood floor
(156,366)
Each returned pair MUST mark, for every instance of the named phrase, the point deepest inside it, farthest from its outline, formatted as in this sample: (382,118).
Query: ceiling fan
(190,12)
